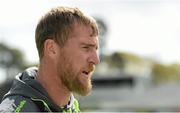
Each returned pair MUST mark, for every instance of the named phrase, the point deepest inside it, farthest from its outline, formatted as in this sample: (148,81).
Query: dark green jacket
(27,95)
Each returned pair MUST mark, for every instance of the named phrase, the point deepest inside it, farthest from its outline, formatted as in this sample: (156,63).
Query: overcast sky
(148,28)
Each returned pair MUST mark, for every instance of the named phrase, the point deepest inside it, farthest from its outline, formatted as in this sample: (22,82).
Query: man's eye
(86,47)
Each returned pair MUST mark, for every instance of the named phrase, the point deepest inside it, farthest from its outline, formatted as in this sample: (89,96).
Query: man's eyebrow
(90,45)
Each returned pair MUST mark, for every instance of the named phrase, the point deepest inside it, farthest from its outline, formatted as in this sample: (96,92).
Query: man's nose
(94,58)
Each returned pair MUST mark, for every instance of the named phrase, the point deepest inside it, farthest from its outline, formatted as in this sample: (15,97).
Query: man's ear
(50,48)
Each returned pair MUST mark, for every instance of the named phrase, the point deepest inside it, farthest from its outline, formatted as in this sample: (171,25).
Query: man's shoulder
(17,103)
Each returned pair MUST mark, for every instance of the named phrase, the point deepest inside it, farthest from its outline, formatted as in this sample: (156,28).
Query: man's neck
(49,79)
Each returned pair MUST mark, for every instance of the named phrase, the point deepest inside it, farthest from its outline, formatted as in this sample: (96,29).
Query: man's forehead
(83,33)
(77,27)
(90,39)
(93,41)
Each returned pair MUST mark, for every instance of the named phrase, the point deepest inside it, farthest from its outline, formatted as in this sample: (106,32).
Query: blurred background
(139,41)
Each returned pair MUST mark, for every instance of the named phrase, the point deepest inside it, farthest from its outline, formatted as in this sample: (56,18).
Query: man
(67,43)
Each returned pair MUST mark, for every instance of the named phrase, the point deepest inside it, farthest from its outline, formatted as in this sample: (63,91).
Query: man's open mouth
(86,72)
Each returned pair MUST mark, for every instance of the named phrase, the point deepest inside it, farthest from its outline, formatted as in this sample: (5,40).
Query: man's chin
(83,87)
(85,91)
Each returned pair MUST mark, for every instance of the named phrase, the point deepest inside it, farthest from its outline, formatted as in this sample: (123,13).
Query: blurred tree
(117,60)
(121,59)
(122,62)
(103,29)
(165,73)
(11,60)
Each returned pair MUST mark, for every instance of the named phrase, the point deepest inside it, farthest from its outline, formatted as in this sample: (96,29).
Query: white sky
(145,27)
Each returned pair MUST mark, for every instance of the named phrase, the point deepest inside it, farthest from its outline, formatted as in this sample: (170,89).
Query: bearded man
(67,43)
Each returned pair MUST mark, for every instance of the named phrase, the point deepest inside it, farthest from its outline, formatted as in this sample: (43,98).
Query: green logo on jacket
(20,106)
